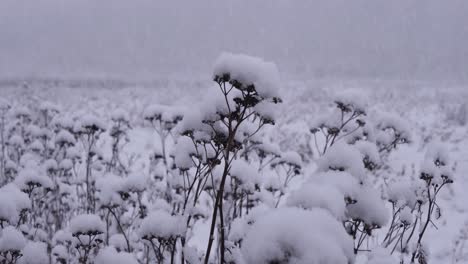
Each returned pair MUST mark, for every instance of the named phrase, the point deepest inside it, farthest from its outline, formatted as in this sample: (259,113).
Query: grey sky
(414,39)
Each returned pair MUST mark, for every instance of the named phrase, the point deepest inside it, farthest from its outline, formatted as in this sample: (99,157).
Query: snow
(36,146)
(66,164)
(109,255)
(406,216)
(49,106)
(32,177)
(85,224)
(135,183)
(243,171)
(109,187)
(62,237)
(343,181)
(296,236)
(402,192)
(249,70)
(11,194)
(60,251)
(336,184)
(34,253)
(118,241)
(369,151)
(343,157)
(369,208)
(88,123)
(351,100)
(183,152)
(11,239)
(64,137)
(119,115)
(312,195)
(381,256)
(162,224)
(390,126)
(291,158)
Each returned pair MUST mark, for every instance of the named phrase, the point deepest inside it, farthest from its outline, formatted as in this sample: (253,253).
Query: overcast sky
(413,39)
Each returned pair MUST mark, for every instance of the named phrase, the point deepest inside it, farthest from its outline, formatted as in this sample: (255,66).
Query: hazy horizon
(422,39)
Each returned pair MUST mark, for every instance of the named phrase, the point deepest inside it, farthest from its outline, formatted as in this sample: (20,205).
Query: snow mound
(34,253)
(109,255)
(86,224)
(163,225)
(292,235)
(11,240)
(248,70)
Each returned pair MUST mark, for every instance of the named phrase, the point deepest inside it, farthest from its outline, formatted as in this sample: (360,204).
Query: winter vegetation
(248,169)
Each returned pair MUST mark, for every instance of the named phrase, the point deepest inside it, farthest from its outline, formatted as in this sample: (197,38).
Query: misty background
(143,39)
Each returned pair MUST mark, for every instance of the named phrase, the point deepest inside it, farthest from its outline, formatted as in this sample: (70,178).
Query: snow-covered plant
(292,235)
(119,135)
(163,119)
(391,132)
(248,86)
(88,129)
(340,124)
(87,230)
(11,244)
(162,230)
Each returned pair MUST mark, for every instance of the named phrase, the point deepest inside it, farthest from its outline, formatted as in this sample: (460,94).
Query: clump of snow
(109,187)
(343,181)
(62,122)
(16,141)
(32,177)
(162,225)
(327,197)
(352,101)
(406,216)
(119,115)
(291,158)
(89,123)
(343,157)
(64,138)
(267,111)
(267,148)
(438,154)
(243,171)
(60,252)
(402,192)
(109,255)
(135,183)
(11,239)
(12,203)
(36,145)
(292,235)
(247,71)
(392,129)
(66,164)
(370,154)
(369,207)
(34,253)
(87,224)
(62,237)
(183,152)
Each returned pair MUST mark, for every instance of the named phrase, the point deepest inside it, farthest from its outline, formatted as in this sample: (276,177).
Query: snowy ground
(435,111)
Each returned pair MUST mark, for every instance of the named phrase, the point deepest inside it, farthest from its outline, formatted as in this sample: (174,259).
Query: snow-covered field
(121,172)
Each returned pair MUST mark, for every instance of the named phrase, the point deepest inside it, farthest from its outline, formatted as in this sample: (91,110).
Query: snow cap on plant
(248,73)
